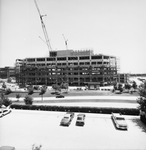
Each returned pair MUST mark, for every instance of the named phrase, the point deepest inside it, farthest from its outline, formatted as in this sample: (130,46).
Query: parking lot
(22,129)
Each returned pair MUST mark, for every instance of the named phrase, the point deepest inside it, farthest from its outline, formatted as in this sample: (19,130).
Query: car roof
(80,115)
(67,115)
(69,112)
(117,115)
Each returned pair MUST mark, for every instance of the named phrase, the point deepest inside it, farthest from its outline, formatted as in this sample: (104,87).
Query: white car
(7,148)
(119,121)
(4,111)
(1,113)
(66,120)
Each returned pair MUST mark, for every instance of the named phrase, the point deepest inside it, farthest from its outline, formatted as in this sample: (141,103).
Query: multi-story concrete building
(7,72)
(78,68)
(123,77)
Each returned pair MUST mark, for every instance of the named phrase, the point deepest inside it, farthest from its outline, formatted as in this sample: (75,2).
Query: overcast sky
(112,27)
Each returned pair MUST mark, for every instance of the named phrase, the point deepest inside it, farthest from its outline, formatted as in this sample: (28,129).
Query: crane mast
(44,28)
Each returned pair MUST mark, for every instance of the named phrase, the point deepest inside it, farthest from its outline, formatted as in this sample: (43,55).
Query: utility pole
(65,40)
(44,28)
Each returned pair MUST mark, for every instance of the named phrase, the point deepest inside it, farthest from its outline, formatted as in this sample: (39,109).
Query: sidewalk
(93,104)
(121,98)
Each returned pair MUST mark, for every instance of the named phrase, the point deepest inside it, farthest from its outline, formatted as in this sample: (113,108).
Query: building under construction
(77,68)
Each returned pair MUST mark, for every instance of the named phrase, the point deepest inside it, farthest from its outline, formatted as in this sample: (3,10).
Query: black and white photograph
(72,74)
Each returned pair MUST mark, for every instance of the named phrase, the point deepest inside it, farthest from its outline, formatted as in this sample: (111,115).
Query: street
(22,129)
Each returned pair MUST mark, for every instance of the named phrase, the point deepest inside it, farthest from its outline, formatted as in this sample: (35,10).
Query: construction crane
(65,41)
(44,28)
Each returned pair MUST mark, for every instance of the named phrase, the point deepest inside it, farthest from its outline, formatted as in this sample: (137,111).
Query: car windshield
(120,118)
(66,117)
(79,118)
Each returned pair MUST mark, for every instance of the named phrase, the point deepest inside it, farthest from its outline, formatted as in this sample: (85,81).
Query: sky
(110,27)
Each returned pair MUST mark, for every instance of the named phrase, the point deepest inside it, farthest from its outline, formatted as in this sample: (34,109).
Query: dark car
(55,93)
(119,121)
(60,96)
(80,120)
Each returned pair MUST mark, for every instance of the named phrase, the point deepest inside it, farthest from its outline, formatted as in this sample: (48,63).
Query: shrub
(30,91)
(8,91)
(142,102)
(28,100)
(4,100)
(34,147)
(2,96)
(7,102)
(124,111)
(36,87)
(18,96)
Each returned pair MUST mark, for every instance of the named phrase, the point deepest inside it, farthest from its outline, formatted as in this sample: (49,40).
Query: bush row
(124,111)
(143,118)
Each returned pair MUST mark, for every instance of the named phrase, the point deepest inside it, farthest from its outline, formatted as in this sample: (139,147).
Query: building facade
(123,77)
(7,72)
(78,68)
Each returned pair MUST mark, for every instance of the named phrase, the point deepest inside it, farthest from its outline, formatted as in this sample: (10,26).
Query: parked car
(118,92)
(71,114)
(66,120)
(4,111)
(7,148)
(119,121)
(1,113)
(80,120)
(57,93)
(60,96)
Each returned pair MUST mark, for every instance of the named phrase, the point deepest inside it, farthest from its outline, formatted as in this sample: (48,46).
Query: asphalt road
(22,129)
(90,101)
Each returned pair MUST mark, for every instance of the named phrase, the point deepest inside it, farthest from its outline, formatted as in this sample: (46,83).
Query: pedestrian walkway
(119,98)
(93,104)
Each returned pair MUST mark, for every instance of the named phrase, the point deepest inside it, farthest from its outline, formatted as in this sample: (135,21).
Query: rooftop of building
(70,52)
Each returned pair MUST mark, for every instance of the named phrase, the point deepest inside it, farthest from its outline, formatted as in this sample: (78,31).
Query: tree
(118,86)
(1,99)
(4,100)
(7,102)
(64,86)
(56,87)
(127,86)
(43,91)
(4,86)
(142,102)
(18,96)
(8,91)
(30,90)
(28,100)
(134,85)
(9,80)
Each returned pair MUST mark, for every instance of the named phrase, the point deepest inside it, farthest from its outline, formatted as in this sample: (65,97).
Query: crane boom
(65,42)
(43,27)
